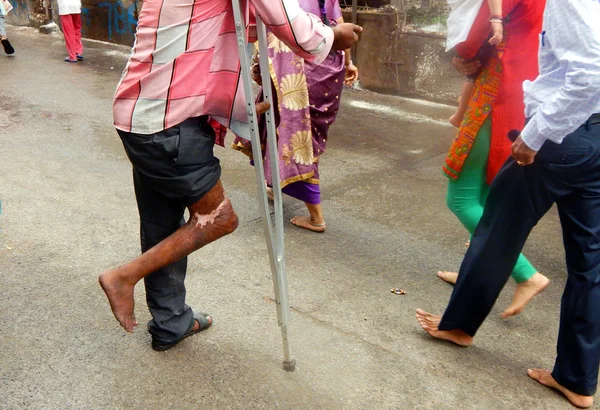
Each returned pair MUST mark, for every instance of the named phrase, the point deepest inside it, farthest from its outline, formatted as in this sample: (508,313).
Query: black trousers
(568,175)
(172,169)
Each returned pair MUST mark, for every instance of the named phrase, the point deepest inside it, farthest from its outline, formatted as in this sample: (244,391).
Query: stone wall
(21,13)
(403,63)
(110,20)
(391,61)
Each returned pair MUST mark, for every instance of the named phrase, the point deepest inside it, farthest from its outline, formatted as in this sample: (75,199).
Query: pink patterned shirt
(185,60)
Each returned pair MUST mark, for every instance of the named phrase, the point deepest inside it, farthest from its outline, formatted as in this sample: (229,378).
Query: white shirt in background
(69,7)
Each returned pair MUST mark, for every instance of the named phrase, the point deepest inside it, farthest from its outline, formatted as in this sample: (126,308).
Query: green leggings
(467,195)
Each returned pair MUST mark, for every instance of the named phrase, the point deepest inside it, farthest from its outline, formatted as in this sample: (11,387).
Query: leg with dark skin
(211,218)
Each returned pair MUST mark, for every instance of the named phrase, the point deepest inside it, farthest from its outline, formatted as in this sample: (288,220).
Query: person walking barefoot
(555,160)
(481,145)
(310,96)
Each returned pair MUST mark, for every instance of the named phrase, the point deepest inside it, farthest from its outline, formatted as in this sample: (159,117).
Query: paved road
(69,212)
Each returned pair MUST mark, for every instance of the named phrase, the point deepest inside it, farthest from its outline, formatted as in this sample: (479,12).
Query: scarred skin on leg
(212,218)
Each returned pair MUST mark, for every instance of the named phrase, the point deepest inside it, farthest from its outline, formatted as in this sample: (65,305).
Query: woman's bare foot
(430,324)
(449,277)
(120,296)
(467,244)
(545,377)
(455,120)
(306,223)
(524,293)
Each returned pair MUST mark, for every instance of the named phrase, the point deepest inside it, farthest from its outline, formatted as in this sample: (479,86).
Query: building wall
(390,61)
(21,12)
(401,63)
(110,20)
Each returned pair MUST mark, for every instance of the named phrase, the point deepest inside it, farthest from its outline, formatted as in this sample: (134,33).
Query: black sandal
(8,49)
(201,318)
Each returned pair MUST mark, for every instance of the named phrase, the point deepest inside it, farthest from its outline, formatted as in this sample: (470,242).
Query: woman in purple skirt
(308,98)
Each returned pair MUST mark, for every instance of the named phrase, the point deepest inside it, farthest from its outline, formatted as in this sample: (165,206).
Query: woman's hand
(351,74)
(466,67)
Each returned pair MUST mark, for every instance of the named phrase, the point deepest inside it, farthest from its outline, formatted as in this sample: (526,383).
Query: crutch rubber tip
(289,366)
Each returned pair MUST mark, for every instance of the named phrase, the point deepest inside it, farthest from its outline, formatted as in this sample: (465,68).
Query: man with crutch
(179,92)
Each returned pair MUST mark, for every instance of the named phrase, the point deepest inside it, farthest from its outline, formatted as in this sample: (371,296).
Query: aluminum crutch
(273,230)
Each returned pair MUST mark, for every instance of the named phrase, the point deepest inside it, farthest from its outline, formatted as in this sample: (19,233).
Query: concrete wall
(110,20)
(22,10)
(401,63)
(390,61)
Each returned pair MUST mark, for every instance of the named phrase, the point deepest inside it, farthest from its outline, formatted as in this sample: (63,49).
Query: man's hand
(345,35)
(466,67)
(522,153)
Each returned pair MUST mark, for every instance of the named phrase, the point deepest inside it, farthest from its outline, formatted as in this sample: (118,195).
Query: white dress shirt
(567,91)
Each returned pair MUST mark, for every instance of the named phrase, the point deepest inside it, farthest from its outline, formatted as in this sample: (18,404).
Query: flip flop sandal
(324,226)
(79,57)
(68,60)
(201,318)
(8,48)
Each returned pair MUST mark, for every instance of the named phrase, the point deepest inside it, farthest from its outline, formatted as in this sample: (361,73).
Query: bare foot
(455,120)
(449,277)
(120,296)
(430,324)
(467,244)
(270,195)
(524,293)
(545,377)
(306,223)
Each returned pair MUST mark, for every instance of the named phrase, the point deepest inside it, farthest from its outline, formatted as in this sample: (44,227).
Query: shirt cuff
(531,138)
(321,55)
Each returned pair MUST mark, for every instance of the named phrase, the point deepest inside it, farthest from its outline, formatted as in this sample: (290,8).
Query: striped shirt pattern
(185,60)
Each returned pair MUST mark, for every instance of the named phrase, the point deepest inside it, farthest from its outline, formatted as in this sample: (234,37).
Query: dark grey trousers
(172,169)
(165,288)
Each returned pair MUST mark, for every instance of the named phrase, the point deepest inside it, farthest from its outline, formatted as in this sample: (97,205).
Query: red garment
(522,27)
(71,25)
